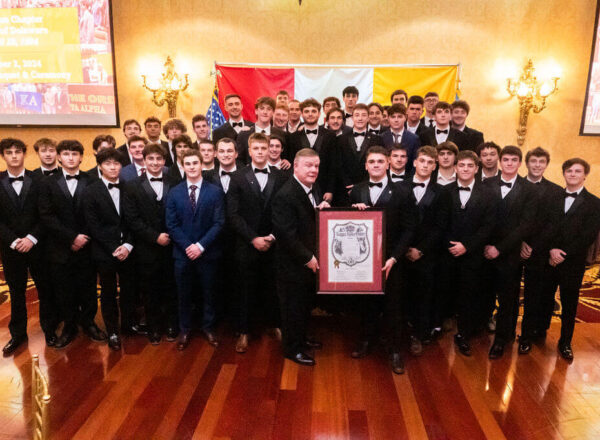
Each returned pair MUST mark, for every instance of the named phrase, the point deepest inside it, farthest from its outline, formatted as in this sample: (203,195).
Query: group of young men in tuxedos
(180,233)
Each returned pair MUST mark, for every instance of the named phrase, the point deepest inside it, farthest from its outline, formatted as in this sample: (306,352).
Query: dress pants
(199,274)
(534,313)
(419,282)
(507,282)
(108,272)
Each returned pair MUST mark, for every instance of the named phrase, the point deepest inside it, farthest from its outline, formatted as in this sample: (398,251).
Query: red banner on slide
(252,83)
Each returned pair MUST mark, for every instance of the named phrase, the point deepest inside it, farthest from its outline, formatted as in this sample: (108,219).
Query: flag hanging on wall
(375,84)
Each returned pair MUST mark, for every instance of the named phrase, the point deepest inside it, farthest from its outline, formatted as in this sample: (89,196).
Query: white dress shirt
(419,191)
(181,170)
(157,185)
(442,137)
(115,195)
(375,191)
(359,139)
(267,130)
(395,179)
(261,178)
(413,130)
(226,179)
(569,200)
(18,186)
(71,183)
(443,181)
(312,138)
(465,195)
(504,190)
(198,185)
(534,181)
(237,128)
(308,191)
(348,121)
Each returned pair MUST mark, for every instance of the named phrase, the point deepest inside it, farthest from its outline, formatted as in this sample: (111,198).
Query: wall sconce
(532,96)
(167,87)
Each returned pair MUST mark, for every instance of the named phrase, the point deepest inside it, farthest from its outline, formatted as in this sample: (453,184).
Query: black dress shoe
(462,344)
(154,338)
(172,333)
(315,345)
(524,345)
(362,350)
(114,342)
(95,333)
(302,359)
(397,363)
(135,329)
(496,351)
(12,345)
(211,338)
(65,339)
(566,351)
(183,341)
(51,340)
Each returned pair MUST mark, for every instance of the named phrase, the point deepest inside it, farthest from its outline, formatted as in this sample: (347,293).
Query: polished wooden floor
(155,392)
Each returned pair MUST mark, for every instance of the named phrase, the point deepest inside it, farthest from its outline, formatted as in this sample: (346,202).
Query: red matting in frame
(369,223)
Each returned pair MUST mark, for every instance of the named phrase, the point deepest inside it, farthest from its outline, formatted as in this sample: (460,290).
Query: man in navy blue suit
(398,135)
(195,217)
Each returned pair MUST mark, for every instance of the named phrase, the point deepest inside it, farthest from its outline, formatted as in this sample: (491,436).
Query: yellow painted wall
(486,37)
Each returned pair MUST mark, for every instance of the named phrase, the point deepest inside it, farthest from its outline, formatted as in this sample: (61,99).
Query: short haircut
(397,108)
(258,137)
(7,143)
(174,123)
(333,110)
(103,138)
(196,118)
(350,90)
(376,104)
(153,148)
(184,138)
(305,152)
(131,122)
(448,146)
(398,92)
(137,138)
(485,145)
(294,100)
(283,92)
(415,99)
(283,107)
(108,154)
(207,142)
(467,154)
(44,142)
(276,137)
(427,151)
(360,106)
(537,152)
(461,103)
(190,152)
(376,149)
(330,99)
(386,108)
(69,145)
(397,147)
(232,95)
(310,102)
(152,119)
(265,100)
(576,161)
(441,105)
(511,150)
(430,94)
(226,140)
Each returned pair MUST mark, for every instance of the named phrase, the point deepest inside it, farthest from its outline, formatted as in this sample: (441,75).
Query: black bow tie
(156,179)
(372,184)
(464,188)
(237,124)
(264,170)
(441,131)
(362,133)
(503,183)
(15,179)
(421,184)
(114,185)
(315,131)
(50,172)
(372,130)
(347,115)
(568,194)
(398,176)
(229,173)
(69,177)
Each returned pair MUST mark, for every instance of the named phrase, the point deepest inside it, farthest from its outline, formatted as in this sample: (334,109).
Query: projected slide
(56,63)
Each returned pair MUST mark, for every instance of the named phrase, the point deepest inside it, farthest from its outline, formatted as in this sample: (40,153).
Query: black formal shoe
(154,338)
(51,339)
(12,345)
(435,333)
(114,342)
(362,350)
(566,351)
(65,339)
(302,359)
(211,338)
(95,333)
(135,329)
(524,345)
(315,345)
(172,333)
(462,344)
(416,347)
(496,351)
(183,341)
(397,363)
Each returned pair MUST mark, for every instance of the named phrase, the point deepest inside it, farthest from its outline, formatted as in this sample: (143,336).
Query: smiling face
(360,117)
(465,171)
(136,150)
(311,116)
(192,167)
(459,116)
(131,129)
(201,129)
(154,163)
(536,166)
(227,154)
(335,120)
(47,155)
(306,169)
(233,106)
(375,116)
(376,165)
(510,164)
(575,176)
(280,118)
(275,150)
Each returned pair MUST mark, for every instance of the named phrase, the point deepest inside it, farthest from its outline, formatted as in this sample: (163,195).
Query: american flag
(214,115)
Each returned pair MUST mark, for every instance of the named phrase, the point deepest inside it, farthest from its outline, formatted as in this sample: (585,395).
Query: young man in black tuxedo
(112,243)
(294,225)
(470,222)
(535,317)
(397,134)
(181,144)
(398,157)
(21,236)
(226,154)
(515,215)
(460,110)
(68,252)
(100,142)
(572,225)
(131,127)
(350,97)
(421,259)
(445,173)
(399,97)
(208,152)
(153,128)
(414,111)
(235,124)
(334,122)
(46,150)
(400,221)
(330,103)
(489,156)
(249,198)
(321,140)
(172,129)
(144,210)
(443,132)
(201,129)
(430,101)
(275,154)
(294,116)
(281,116)
(375,118)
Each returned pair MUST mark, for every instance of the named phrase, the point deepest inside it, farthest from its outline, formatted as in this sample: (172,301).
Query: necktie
(264,170)
(15,179)
(421,184)
(156,179)
(315,131)
(193,189)
(237,124)
(114,185)
(464,188)
(69,177)
(397,137)
(442,131)
(378,184)
(398,176)
(142,171)
(503,183)
(568,194)
(431,122)
(362,133)
(50,172)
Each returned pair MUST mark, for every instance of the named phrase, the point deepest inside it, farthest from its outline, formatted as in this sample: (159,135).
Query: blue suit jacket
(129,173)
(409,140)
(203,226)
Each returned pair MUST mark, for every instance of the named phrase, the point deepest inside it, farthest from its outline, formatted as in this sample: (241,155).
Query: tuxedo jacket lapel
(11,192)
(251,178)
(428,197)
(269,187)
(319,140)
(25,189)
(108,199)
(81,185)
(576,203)
(148,189)
(62,183)
(512,195)
(385,196)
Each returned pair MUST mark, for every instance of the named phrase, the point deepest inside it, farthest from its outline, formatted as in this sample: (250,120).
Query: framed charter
(350,251)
